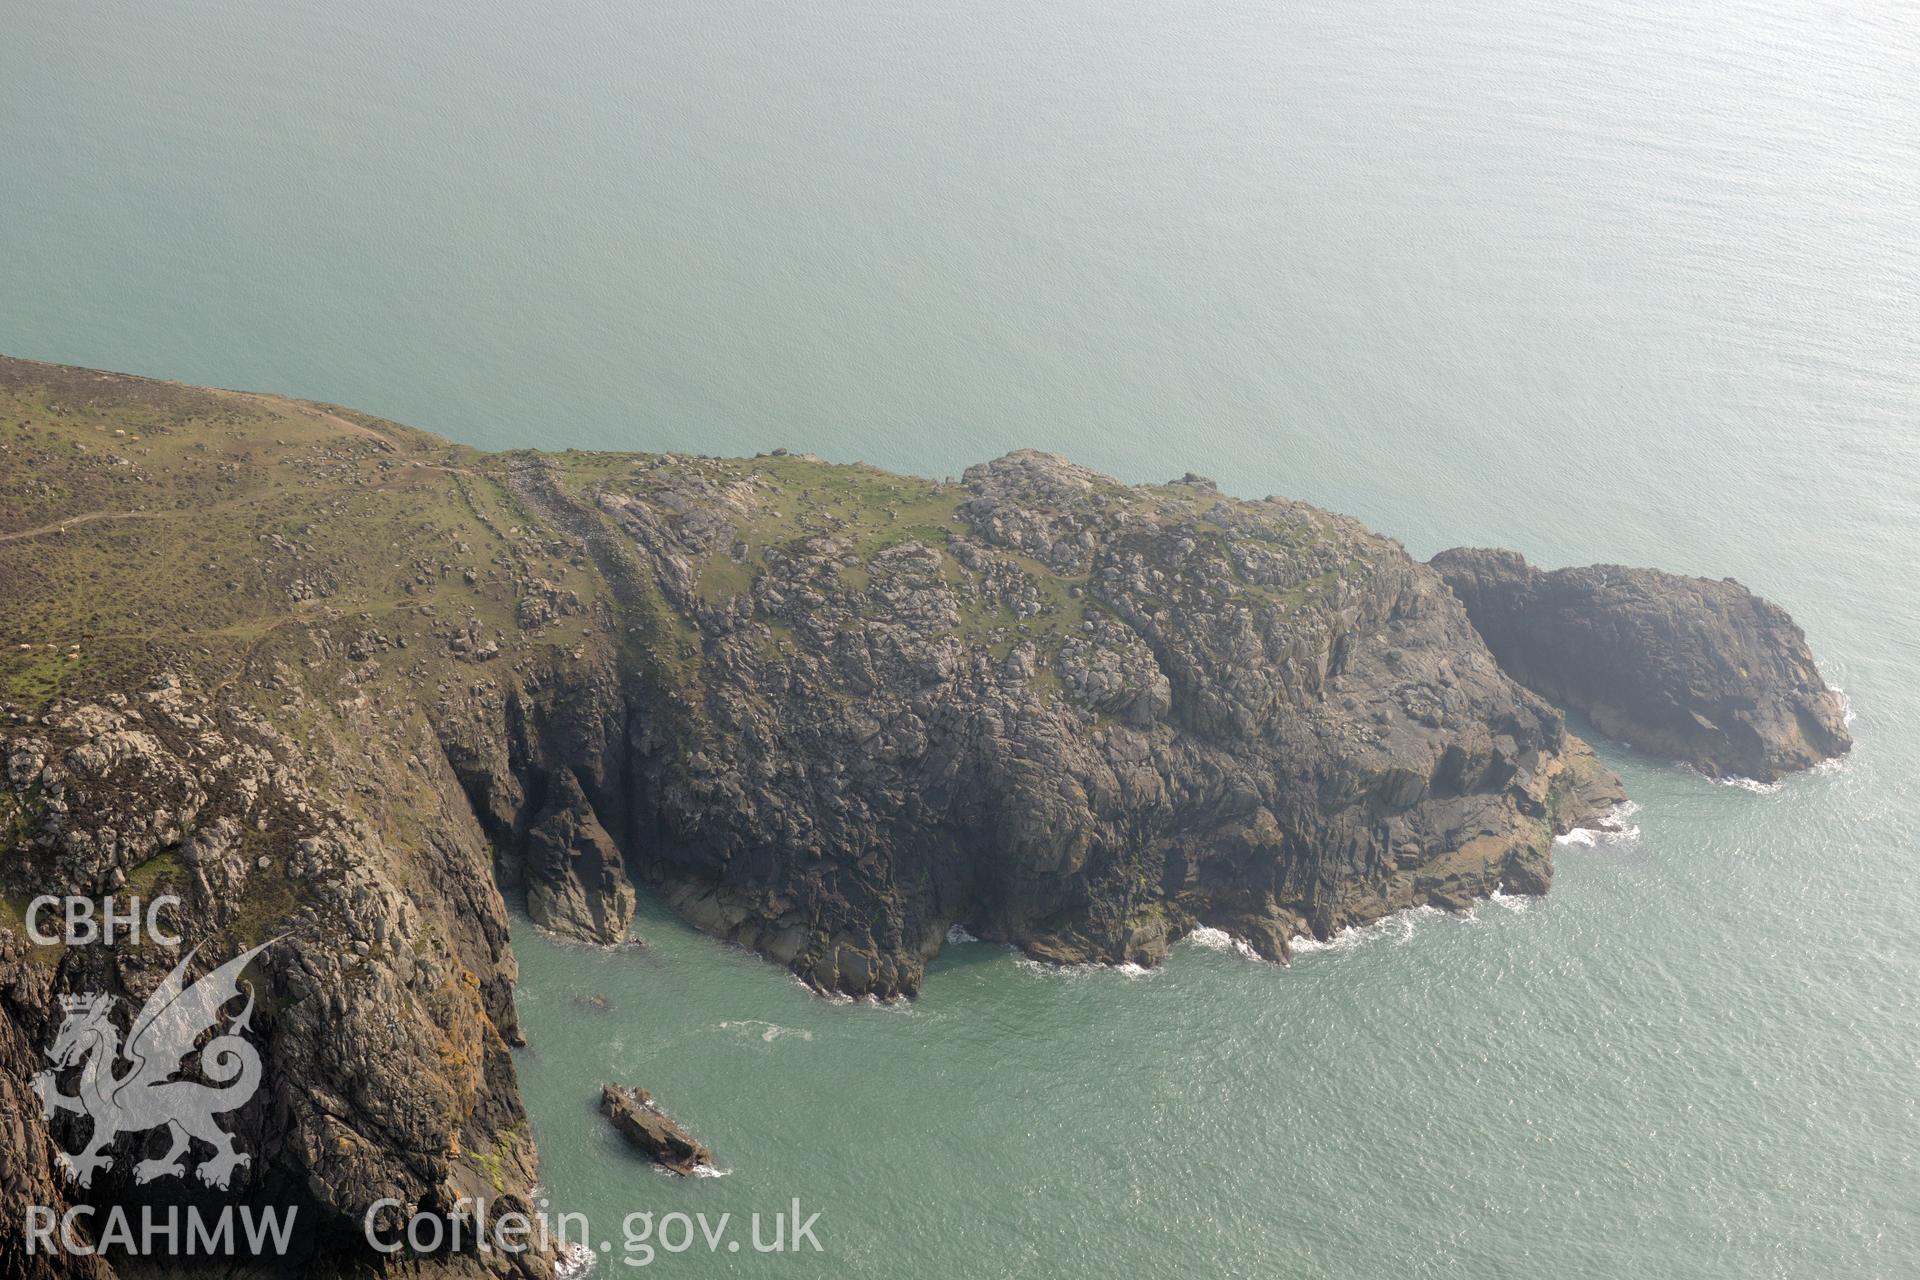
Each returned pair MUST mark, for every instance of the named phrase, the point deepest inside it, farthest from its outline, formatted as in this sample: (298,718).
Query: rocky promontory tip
(1699,670)
(638,1118)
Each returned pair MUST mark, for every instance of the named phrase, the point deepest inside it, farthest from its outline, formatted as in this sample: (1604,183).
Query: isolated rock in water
(641,1122)
(1700,670)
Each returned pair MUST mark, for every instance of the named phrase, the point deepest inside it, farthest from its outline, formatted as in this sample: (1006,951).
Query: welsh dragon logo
(144,1097)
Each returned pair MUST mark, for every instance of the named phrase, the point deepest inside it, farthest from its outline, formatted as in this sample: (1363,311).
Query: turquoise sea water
(1614,281)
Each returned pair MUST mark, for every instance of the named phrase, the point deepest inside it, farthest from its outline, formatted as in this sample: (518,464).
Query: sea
(1629,281)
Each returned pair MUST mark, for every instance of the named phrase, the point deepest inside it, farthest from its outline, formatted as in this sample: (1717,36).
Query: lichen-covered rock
(385,1001)
(1698,670)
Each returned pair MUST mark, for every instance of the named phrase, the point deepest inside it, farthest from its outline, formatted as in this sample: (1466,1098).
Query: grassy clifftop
(144,523)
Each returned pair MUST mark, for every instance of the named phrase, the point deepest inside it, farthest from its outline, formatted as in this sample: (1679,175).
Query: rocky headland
(321,675)
(1695,669)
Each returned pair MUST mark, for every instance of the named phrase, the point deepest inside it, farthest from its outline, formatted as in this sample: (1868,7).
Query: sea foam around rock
(1615,828)
(1211,939)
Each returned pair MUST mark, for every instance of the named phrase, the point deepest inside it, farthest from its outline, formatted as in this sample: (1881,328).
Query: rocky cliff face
(385,1012)
(323,676)
(1700,671)
(1069,714)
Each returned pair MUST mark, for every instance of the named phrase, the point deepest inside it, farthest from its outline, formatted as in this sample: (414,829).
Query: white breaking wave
(575,1260)
(1754,785)
(957,936)
(708,1171)
(1399,926)
(1618,829)
(831,997)
(1126,970)
(896,1004)
(1511,901)
(1213,939)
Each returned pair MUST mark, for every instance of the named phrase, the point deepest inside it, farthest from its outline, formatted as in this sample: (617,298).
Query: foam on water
(766,1031)
(1734,780)
(895,1004)
(1128,969)
(1211,939)
(830,997)
(1754,785)
(1615,828)
(957,936)
(575,1260)
(1399,926)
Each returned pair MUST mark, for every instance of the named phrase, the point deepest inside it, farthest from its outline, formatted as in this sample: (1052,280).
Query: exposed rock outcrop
(1698,670)
(385,1006)
(28,1160)
(1071,714)
(826,712)
(651,1131)
(576,878)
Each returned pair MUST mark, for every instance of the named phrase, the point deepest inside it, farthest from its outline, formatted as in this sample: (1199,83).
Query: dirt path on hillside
(61,526)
